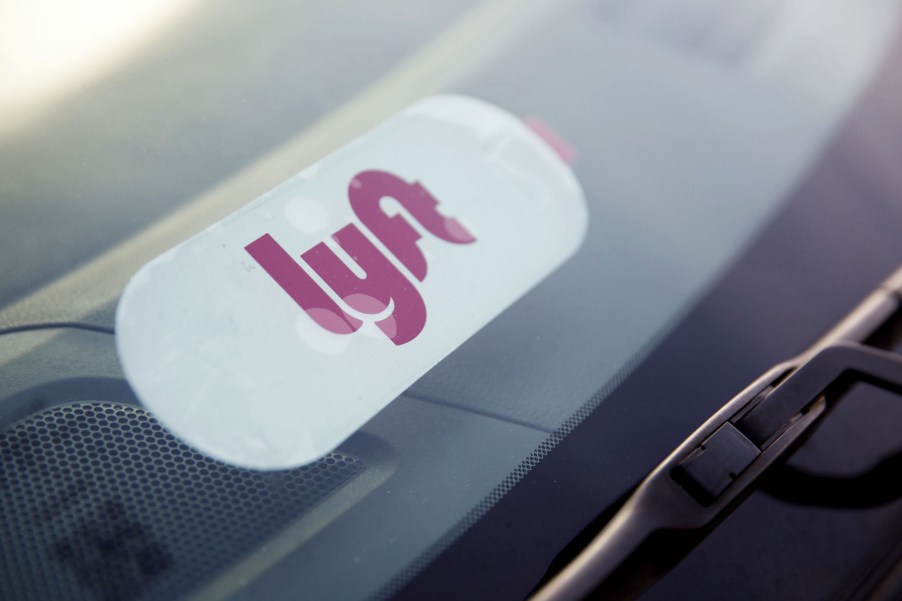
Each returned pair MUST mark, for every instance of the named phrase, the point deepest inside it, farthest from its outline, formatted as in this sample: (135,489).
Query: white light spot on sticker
(307,214)
(370,330)
(319,339)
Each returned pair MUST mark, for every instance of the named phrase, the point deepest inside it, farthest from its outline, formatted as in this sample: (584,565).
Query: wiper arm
(719,465)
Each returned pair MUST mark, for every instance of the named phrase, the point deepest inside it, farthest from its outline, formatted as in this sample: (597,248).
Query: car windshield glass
(691,124)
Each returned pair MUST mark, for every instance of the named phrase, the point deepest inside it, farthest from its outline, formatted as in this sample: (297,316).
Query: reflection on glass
(49,47)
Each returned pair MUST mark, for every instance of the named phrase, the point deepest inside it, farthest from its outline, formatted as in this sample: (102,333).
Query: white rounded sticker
(269,338)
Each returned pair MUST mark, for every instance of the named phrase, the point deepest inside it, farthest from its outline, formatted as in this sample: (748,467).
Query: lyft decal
(274,335)
(382,285)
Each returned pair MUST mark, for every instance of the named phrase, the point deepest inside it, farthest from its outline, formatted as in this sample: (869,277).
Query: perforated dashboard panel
(98,501)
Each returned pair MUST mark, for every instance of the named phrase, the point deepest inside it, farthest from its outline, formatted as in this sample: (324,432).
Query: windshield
(691,124)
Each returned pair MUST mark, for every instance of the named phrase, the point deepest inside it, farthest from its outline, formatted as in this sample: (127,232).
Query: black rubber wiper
(714,470)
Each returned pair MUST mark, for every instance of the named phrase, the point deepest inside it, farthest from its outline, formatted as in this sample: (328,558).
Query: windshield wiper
(714,470)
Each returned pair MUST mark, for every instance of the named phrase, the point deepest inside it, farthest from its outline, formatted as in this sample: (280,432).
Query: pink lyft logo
(383,282)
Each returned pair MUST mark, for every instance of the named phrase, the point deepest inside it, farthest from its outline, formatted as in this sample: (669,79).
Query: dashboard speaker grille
(98,501)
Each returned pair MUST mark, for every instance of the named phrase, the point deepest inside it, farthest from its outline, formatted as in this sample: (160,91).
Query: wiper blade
(716,468)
